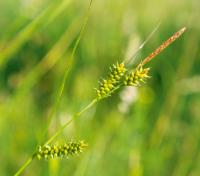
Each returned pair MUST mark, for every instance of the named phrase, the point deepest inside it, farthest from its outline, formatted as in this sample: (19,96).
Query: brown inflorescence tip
(163,45)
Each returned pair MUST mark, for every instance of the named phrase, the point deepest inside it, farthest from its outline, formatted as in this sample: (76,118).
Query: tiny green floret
(108,85)
(61,151)
(134,78)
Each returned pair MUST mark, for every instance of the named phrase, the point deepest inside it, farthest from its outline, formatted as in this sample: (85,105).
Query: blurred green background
(151,130)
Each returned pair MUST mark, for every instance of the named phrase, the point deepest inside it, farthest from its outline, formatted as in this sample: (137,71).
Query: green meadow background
(153,130)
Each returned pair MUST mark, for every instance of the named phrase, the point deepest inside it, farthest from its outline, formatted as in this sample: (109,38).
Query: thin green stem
(62,129)
(25,165)
(67,123)
(56,134)
(68,69)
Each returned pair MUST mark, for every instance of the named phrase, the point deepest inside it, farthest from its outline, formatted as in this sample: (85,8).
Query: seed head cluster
(118,76)
(136,77)
(106,86)
(60,151)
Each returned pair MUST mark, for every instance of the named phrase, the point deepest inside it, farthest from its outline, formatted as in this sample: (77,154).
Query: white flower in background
(128,96)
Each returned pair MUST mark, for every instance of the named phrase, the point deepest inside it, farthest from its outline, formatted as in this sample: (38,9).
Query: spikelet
(60,151)
(136,77)
(106,86)
(164,45)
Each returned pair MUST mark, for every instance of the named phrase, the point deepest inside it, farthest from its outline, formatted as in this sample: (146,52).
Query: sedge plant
(118,77)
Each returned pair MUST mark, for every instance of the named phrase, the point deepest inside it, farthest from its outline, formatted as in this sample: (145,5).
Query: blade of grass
(56,53)
(60,95)
(68,69)
(51,12)
(28,162)
(135,54)
(51,58)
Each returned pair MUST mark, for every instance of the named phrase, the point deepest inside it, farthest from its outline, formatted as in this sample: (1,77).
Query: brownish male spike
(163,46)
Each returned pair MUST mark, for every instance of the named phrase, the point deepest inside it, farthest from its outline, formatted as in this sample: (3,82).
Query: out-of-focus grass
(45,17)
(153,130)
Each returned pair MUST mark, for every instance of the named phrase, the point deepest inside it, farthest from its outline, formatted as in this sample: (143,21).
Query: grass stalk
(56,105)
(21,169)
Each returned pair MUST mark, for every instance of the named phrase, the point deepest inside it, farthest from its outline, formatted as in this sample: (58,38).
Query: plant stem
(24,165)
(67,123)
(60,95)
(56,134)
(67,70)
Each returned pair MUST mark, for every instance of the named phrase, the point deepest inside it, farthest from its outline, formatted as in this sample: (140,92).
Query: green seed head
(136,77)
(60,151)
(108,85)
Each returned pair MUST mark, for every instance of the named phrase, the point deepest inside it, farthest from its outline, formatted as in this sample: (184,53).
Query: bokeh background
(151,130)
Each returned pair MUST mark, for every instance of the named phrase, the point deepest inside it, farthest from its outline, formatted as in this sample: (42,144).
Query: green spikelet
(136,77)
(106,86)
(60,151)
